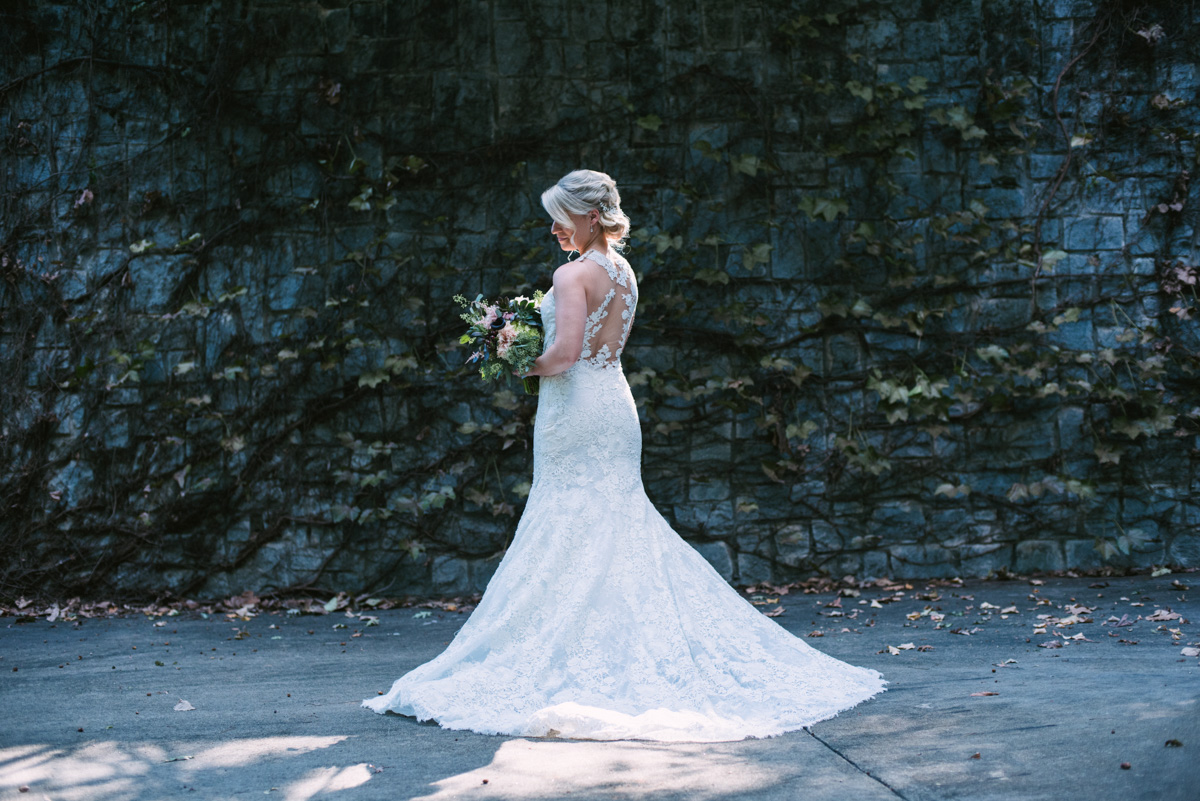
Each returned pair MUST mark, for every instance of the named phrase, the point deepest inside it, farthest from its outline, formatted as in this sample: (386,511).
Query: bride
(601,622)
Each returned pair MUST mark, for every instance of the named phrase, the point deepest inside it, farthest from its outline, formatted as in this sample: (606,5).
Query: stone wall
(917,282)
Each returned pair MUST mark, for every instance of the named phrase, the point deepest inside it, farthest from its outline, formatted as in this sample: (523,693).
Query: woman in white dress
(601,622)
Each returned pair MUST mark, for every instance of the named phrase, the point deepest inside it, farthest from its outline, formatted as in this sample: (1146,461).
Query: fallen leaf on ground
(1173,743)
(184,706)
(1161,615)
(988,692)
(1051,644)
(975,755)
(1190,652)
(776,612)
(178,759)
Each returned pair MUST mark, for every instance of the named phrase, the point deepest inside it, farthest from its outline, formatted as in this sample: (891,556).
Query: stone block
(1095,233)
(717,555)
(906,519)
(922,40)
(512,43)
(1039,556)
(842,354)
(480,572)
(448,574)
(1079,335)
(710,518)
(1184,550)
(827,538)
(875,565)
(1072,435)
(1082,555)
(906,561)
(1001,312)
(714,490)
(752,569)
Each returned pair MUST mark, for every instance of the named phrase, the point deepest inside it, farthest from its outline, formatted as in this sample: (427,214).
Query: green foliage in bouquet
(507,335)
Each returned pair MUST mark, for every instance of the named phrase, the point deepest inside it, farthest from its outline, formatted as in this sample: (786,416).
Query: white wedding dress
(601,622)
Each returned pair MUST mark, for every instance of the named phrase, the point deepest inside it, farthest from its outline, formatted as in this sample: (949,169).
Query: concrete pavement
(976,707)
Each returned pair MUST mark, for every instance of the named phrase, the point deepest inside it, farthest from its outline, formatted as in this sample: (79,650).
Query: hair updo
(581,191)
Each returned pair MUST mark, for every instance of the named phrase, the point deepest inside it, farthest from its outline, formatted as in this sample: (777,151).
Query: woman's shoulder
(568,271)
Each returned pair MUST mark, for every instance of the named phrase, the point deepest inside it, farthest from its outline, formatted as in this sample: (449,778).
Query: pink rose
(490,317)
(505,338)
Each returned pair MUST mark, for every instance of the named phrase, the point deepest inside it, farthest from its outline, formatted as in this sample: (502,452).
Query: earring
(591,230)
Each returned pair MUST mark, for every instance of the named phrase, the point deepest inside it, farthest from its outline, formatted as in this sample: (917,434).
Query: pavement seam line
(856,766)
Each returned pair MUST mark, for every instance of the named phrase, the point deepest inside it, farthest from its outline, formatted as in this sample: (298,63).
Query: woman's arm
(570,314)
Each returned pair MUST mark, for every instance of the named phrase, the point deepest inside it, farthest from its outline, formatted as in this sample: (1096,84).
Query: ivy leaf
(710,276)
(374,378)
(746,163)
(801,431)
(992,353)
(1129,428)
(651,122)
(755,255)
(664,242)
(825,208)
(1051,258)
(361,201)
(859,90)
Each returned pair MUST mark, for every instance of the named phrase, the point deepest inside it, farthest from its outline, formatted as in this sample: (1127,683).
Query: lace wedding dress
(601,622)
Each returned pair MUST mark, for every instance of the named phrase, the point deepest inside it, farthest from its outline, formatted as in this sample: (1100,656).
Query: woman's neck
(597,242)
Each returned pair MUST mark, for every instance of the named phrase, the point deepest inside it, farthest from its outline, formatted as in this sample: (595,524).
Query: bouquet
(507,336)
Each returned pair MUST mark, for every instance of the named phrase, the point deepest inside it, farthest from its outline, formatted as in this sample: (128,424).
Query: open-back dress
(600,621)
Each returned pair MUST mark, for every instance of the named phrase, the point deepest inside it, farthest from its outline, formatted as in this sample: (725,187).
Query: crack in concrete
(857,767)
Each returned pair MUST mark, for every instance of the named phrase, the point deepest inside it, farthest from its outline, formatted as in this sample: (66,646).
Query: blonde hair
(581,191)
